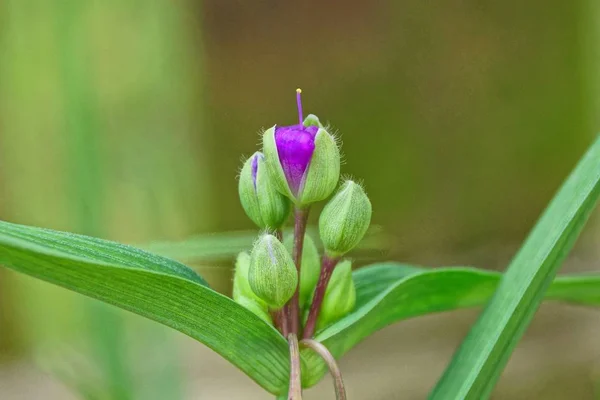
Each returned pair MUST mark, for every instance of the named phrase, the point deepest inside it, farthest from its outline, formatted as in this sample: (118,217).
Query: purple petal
(255,169)
(295,145)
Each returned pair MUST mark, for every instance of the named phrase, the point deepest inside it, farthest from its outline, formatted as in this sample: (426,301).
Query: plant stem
(327,266)
(293,307)
(295,388)
(279,234)
(281,317)
(283,320)
(334,370)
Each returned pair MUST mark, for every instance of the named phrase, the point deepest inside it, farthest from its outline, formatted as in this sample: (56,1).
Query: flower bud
(312,120)
(303,160)
(311,266)
(265,206)
(241,285)
(345,219)
(243,294)
(272,274)
(340,295)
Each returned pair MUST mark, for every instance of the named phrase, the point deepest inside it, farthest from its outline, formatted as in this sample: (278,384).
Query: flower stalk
(327,266)
(293,307)
(281,321)
(295,388)
(334,370)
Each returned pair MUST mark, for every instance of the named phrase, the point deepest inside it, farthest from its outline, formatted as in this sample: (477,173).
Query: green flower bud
(303,159)
(311,266)
(345,219)
(340,295)
(265,206)
(272,275)
(241,285)
(243,294)
(312,120)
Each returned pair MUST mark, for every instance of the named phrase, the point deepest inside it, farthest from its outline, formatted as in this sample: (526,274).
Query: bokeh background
(127,119)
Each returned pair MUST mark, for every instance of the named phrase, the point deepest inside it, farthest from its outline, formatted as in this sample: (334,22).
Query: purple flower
(295,147)
(303,160)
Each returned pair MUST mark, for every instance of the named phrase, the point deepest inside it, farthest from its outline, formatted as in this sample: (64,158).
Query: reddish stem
(279,234)
(280,320)
(293,306)
(327,266)
(280,317)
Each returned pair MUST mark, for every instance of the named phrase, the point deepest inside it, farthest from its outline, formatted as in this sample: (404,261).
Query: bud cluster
(283,280)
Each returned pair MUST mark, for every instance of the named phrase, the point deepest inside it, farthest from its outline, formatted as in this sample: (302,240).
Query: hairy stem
(334,370)
(295,388)
(327,266)
(293,307)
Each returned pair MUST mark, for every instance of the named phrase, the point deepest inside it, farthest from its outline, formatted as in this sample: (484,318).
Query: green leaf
(224,246)
(483,354)
(152,286)
(390,292)
(172,294)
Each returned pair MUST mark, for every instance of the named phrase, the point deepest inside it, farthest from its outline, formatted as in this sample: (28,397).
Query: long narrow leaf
(391,292)
(152,286)
(227,245)
(483,354)
(170,293)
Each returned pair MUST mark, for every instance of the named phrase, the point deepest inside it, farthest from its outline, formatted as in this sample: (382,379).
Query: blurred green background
(127,119)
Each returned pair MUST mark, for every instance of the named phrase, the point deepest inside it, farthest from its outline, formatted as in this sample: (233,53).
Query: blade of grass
(483,354)
(106,327)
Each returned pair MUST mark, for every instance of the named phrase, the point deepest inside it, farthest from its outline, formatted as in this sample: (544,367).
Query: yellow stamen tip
(298,90)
